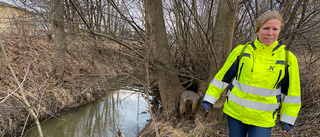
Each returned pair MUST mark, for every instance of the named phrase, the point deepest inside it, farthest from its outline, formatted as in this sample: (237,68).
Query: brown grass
(177,127)
(86,77)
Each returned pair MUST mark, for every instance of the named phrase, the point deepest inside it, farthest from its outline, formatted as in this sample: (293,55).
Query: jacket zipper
(253,59)
(278,79)
(240,70)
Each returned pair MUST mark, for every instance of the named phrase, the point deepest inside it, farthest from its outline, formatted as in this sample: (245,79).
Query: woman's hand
(206,105)
(283,131)
(285,127)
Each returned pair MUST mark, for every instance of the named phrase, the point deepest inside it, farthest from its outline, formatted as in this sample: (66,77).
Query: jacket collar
(258,45)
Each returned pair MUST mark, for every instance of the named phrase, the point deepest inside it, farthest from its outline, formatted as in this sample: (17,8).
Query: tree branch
(100,34)
(20,85)
(207,38)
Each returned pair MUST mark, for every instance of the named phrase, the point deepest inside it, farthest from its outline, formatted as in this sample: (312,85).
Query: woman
(262,75)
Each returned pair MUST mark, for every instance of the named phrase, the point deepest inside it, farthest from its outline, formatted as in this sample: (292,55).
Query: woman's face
(269,31)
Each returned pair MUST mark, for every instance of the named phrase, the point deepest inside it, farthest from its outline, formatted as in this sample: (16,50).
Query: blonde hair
(266,16)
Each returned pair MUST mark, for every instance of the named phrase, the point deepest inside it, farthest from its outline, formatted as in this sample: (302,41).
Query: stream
(123,110)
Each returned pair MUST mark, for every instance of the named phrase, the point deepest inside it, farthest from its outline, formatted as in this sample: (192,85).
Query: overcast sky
(7,1)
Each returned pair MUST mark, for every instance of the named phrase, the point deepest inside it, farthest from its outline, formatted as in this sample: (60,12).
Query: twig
(24,78)
(24,126)
(204,32)
(103,35)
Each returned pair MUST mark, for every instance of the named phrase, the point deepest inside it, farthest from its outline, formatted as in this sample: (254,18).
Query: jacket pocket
(275,85)
(240,71)
(278,101)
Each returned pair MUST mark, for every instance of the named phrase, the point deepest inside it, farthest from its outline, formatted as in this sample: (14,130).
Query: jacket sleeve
(290,92)
(224,77)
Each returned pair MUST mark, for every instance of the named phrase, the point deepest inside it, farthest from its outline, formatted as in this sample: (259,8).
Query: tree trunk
(222,40)
(167,79)
(59,41)
(188,104)
(223,34)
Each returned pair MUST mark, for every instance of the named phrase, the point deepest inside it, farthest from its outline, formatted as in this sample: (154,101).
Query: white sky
(7,1)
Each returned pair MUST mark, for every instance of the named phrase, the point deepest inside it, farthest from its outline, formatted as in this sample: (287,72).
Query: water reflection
(122,110)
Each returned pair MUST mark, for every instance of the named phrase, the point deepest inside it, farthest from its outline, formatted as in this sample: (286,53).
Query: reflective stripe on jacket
(259,83)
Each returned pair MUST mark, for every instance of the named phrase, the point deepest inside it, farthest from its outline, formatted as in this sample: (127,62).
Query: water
(122,110)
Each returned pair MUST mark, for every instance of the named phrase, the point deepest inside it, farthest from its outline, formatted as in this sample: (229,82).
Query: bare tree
(223,32)
(167,79)
(222,40)
(59,40)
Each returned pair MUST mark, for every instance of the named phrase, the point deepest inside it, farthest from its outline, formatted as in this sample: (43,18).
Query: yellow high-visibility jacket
(260,82)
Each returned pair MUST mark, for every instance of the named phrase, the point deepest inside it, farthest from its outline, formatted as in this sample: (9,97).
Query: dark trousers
(239,129)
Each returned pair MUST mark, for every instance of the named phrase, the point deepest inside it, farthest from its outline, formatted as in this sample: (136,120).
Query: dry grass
(86,77)
(177,127)
(308,122)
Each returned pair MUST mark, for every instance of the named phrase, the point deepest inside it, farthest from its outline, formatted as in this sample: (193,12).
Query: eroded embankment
(87,76)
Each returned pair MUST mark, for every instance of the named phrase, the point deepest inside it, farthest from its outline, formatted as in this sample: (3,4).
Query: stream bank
(124,111)
(87,77)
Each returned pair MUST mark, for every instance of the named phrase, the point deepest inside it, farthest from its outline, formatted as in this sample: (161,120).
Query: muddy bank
(87,77)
